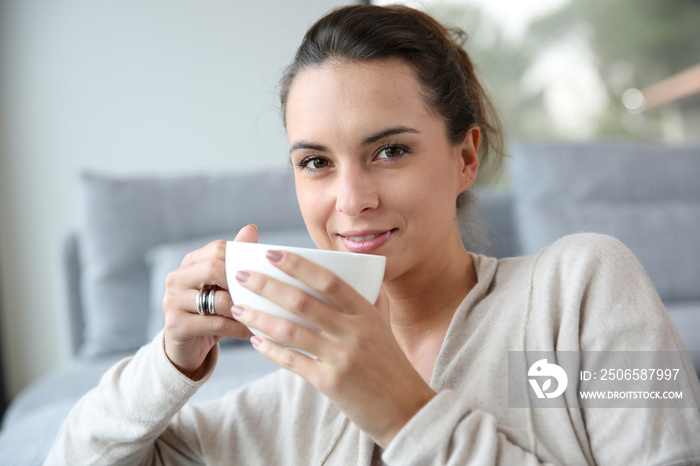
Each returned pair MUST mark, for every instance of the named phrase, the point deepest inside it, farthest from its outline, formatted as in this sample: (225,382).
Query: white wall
(125,87)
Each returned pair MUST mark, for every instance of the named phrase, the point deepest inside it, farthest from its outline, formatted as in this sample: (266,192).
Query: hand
(189,337)
(359,366)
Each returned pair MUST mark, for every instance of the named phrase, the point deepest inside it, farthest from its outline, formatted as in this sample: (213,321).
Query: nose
(356,192)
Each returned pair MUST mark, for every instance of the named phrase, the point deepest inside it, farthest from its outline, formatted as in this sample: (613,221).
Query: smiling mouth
(359,239)
(366,243)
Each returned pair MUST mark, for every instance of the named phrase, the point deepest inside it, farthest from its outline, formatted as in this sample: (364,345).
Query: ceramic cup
(364,272)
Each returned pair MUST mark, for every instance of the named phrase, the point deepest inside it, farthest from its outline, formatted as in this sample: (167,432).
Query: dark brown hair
(445,71)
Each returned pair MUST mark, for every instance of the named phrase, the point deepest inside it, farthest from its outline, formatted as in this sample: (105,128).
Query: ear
(468,159)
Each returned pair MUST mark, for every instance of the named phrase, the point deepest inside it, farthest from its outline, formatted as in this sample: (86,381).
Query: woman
(386,119)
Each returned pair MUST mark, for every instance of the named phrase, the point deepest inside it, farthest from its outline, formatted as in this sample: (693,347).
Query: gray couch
(132,231)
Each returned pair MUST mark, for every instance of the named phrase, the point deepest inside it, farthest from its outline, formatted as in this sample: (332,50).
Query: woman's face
(375,172)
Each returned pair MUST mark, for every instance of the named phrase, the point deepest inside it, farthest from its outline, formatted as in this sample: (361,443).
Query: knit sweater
(584,292)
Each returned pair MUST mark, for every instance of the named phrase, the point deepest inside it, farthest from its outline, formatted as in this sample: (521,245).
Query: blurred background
(127,87)
(167,87)
(559,68)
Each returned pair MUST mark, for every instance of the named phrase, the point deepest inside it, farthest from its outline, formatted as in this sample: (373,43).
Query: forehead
(355,95)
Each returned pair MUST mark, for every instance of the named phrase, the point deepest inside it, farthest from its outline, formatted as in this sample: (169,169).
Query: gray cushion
(684,315)
(167,257)
(664,236)
(122,218)
(490,227)
(29,440)
(647,196)
(608,172)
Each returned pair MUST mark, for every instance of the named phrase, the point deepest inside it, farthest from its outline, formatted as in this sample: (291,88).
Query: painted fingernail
(237,310)
(256,341)
(274,256)
(242,276)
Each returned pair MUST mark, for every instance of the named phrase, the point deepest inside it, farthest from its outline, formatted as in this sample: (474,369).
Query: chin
(392,271)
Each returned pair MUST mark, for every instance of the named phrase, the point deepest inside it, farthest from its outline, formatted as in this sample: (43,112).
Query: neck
(424,300)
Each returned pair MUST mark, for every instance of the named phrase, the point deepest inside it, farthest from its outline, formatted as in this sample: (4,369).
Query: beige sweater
(585,292)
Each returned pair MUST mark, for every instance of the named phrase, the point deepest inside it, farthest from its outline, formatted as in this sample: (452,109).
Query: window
(560,68)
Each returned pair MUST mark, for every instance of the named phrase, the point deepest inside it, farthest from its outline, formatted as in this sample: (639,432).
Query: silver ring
(205,301)
(199,302)
(209,308)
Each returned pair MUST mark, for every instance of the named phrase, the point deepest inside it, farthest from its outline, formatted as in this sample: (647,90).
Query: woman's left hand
(359,367)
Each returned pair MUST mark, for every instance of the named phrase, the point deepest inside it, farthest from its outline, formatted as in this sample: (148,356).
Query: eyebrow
(307,145)
(388,132)
(368,140)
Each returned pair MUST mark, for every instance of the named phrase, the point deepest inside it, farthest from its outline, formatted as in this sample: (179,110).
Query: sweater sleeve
(122,420)
(619,310)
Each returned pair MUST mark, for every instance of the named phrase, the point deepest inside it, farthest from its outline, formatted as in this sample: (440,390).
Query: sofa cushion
(607,172)
(490,228)
(647,196)
(167,257)
(684,315)
(122,218)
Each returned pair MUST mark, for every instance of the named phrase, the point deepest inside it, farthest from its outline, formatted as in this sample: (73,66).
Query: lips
(365,241)
(362,238)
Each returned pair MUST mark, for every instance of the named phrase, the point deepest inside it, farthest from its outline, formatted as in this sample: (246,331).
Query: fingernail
(242,276)
(256,341)
(274,256)
(237,310)
(253,225)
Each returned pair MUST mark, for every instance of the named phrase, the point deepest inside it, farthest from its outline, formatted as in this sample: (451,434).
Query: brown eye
(314,163)
(391,152)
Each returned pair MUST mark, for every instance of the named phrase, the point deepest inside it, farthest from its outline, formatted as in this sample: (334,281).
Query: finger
(192,324)
(383,301)
(320,279)
(247,234)
(215,249)
(223,303)
(207,272)
(293,299)
(221,299)
(187,301)
(287,358)
(282,330)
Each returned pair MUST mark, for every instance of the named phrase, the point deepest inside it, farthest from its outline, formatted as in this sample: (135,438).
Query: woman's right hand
(189,337)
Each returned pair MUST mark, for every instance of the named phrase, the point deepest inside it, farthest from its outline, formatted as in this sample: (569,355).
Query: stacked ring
(205,301)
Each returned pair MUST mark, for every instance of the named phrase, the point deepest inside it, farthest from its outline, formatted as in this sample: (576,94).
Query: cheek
(314,206)
(436,211)
(429,192)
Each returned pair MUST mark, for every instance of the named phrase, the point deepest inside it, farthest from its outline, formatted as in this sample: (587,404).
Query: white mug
(364,272)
